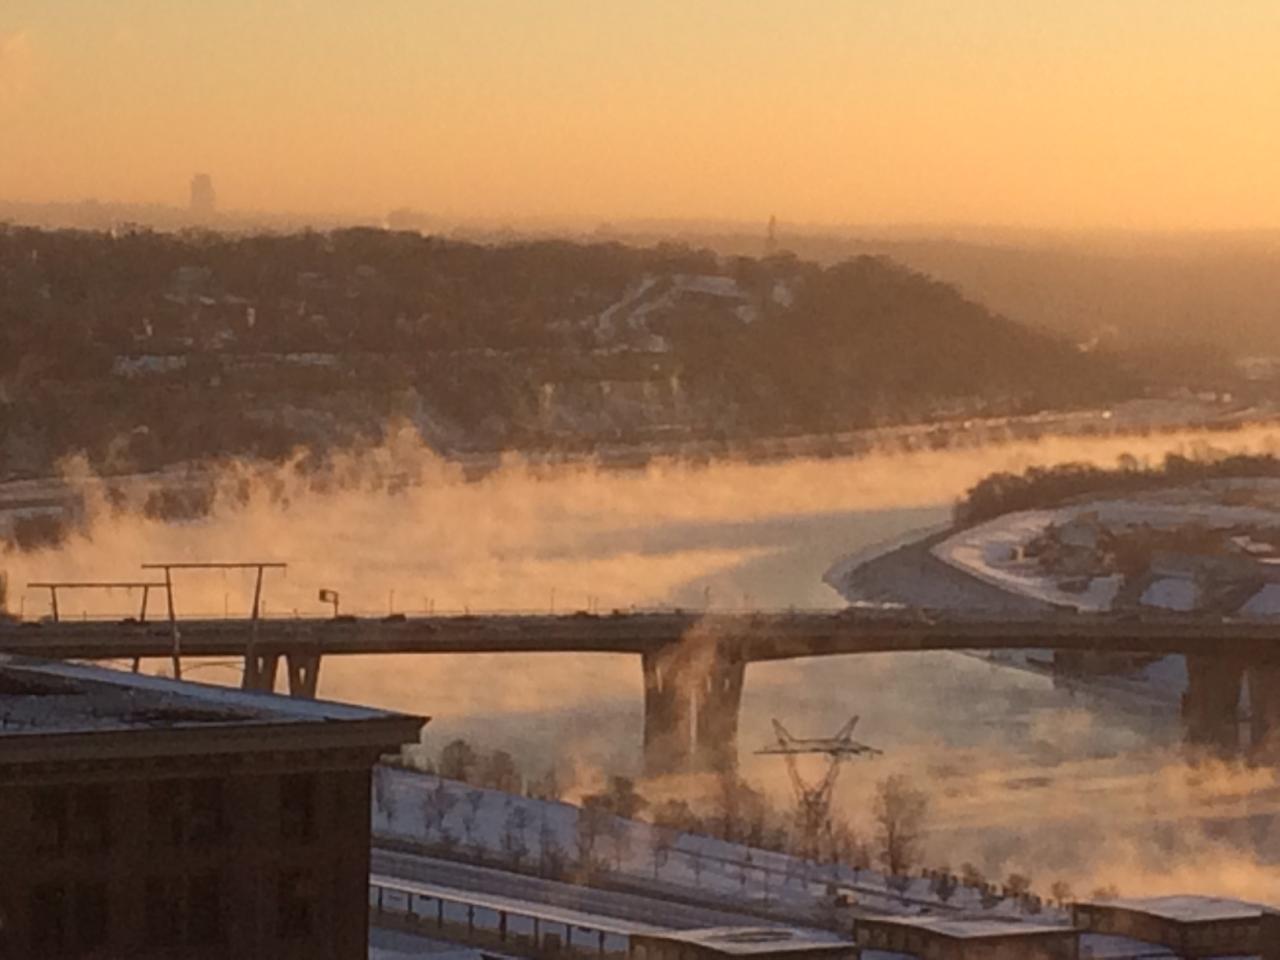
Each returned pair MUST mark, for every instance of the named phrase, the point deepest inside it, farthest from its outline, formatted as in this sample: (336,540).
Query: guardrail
(489,925)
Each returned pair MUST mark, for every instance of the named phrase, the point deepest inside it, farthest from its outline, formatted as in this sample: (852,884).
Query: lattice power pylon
(813,800)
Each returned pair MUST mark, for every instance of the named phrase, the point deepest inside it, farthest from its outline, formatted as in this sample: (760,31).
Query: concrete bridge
(694,664)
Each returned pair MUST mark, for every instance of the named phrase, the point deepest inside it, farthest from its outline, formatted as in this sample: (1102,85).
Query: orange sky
(1120,113)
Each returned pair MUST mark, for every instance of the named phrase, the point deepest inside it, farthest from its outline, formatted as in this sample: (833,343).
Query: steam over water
(1022,776)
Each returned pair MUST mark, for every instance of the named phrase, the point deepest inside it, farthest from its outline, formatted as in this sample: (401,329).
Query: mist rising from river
(1013,764)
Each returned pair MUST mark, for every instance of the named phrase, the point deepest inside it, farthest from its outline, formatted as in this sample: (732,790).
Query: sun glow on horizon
(1145,114)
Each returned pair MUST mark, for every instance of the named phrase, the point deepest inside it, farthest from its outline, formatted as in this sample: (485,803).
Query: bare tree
(550,854)
(590,825)
(848,846)
(618,832)
(944,885)
(900,811)
(1061,892)
(676,814)
(741,812)
(471,816)
(618,798)
(383,798)
(1017,885)
(662,840)
(546,787)
(436,804)
(514,844)
(458,761)
(497,771)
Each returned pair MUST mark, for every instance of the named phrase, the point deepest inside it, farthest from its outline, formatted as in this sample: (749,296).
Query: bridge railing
(85,615)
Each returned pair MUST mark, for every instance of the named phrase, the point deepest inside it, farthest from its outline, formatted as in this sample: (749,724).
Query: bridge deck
(748,637)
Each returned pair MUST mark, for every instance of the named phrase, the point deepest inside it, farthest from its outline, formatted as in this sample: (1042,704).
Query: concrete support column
(718,705)
(1211,705)
(260,671)
(1264,706)
(304,674)
(692,695)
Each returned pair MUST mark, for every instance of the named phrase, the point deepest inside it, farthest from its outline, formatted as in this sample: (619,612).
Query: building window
(47,917)
(163,912)
(294,906)
(186,812)
(49,821)
(205,827)
(298,807)
(91,825)
(164,813)
(205,917)
(91,916)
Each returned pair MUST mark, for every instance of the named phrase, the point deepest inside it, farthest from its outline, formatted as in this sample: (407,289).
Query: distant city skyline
(1149,114)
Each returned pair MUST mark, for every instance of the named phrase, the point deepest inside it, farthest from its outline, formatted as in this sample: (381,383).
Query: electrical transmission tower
(813,800)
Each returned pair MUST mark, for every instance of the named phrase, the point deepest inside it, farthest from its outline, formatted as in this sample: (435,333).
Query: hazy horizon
(1145,116)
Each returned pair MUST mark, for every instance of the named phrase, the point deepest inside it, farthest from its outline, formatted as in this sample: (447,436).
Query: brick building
(148,818)
(962,938)
(1193,927)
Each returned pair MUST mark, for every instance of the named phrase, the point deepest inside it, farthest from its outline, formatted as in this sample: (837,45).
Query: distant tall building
(204,201)
(771,237)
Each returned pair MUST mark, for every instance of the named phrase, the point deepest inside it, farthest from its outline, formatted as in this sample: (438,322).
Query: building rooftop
(48,707)
(975,928)
(1187,909)
(1100,946)
(747,941)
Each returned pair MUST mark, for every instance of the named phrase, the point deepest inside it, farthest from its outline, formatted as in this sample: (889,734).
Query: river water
(1022,774)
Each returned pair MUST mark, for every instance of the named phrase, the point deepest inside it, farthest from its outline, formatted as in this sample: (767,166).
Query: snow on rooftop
(1102,946)
(745,941)
(1172,593)
(1264,603)
(1187,908)
(39,696)
(972,928)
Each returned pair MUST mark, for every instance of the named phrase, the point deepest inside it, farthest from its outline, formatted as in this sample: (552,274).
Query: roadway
(645,912)
(745,637)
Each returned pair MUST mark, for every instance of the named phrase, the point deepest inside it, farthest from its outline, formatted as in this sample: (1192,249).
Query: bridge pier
(692,695)
(303,670)
(1264,706)
(1211,705)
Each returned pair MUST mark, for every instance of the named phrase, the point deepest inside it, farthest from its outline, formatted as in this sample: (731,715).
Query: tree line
(729,809)
(1042,487)
(468,336)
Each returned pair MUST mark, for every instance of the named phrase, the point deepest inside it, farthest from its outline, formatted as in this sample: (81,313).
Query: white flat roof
(745,941)
(965,928)
(1186,908)
(1101,946)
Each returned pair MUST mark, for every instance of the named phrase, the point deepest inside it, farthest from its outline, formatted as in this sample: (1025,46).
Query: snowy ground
(450,818)
(992,552)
